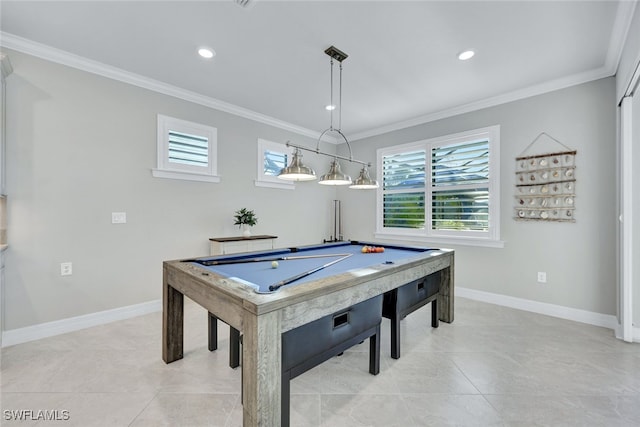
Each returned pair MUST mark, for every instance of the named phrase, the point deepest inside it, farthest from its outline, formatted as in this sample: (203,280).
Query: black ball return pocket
(402,301)
(309,345)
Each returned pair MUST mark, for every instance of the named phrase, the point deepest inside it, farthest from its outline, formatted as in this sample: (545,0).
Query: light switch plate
(118,217)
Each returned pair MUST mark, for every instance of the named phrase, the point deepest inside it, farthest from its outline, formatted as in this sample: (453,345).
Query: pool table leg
(213,332)
(285,406)
(172,323)
(234,341)
(395,335)
(261,369)
(374,352)
(234,347)
(435,317)
(445,296)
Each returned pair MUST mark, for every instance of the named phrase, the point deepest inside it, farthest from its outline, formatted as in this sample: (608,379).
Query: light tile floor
(493,366)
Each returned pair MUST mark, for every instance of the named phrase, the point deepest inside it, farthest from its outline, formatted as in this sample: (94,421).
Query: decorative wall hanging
(546,184)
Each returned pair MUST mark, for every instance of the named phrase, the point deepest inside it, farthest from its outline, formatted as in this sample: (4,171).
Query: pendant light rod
(339,98)
(338,55)
(336,156)
(333,107)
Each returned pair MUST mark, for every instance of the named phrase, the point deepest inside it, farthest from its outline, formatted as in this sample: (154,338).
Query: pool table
(242,295)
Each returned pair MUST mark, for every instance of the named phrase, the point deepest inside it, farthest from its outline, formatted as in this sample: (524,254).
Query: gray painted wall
(82,146)
(630,55)
(579,258)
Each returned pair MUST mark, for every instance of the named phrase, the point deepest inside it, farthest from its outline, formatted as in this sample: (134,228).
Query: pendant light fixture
(364,181)
(297,171)
(335,175)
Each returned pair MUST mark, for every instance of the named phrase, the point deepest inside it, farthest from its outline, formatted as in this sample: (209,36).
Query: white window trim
(467,238)
(166,169)
(269,181)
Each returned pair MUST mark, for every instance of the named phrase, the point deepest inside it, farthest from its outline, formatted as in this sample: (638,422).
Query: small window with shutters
(444,190)
(272,157)
(186,150)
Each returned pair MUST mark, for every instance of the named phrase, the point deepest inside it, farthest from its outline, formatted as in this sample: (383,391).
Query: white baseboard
(598,319)
(635,333)
(49,329)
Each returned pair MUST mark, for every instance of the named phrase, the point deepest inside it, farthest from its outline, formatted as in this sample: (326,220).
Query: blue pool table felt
(260,275)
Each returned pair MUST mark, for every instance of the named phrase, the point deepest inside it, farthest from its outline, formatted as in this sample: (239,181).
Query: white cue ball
(274,264)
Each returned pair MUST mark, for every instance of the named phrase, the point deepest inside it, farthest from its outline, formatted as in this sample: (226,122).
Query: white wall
(579,258)
(81,146)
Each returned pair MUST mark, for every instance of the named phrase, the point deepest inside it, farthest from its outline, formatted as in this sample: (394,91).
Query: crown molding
(68,59)
(619,34)
(528,92)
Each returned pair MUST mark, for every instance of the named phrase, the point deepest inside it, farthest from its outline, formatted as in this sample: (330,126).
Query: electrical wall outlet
(542,277)
(66,269)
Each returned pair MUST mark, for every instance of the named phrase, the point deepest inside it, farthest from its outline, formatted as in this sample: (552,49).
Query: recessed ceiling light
(467,54)
(205,52)
(330,107)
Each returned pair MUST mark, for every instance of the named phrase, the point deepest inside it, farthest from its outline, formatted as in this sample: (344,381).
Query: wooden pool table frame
(262,318)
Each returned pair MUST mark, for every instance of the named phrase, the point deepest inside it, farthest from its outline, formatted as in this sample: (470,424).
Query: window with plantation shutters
(186,150)
(459,186)
(273,162)
(272,157)
(403,183)
(442,190)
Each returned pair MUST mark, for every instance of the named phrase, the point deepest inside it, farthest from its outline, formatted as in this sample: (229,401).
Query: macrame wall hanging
(546,184)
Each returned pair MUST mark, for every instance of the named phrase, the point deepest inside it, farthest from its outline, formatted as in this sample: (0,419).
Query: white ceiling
(402,66)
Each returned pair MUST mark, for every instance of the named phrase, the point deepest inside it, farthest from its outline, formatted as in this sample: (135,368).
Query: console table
(232,245)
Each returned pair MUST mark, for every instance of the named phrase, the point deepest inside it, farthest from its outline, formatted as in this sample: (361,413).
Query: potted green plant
(245,218)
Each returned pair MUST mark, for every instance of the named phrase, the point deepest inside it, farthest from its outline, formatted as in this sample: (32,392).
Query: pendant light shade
(364,181)
(297,171)
(335,176)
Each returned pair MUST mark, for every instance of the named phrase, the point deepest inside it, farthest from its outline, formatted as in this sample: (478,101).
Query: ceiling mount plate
(244,3)
(336,54)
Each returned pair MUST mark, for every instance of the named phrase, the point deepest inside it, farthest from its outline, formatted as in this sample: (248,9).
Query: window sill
(271,184)
(442,241)
(164,173)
